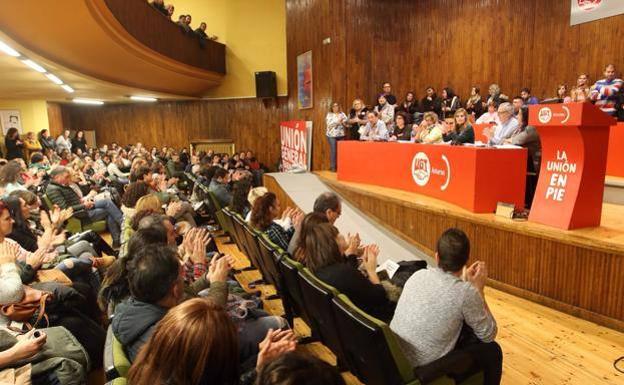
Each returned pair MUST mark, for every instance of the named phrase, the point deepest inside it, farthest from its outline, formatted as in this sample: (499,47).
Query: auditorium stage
(580,272)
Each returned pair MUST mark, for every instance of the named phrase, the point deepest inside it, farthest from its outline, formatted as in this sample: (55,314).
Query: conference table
(615,155)
(475,178)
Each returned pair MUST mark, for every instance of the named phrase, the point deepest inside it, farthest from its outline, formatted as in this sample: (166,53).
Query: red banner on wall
(296,142)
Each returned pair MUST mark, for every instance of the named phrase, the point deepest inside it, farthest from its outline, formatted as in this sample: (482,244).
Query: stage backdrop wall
(411,44)
(414,44)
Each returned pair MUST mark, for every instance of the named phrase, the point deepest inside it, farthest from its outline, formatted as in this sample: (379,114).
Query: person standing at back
(443,309)
(335,131)
(604,92)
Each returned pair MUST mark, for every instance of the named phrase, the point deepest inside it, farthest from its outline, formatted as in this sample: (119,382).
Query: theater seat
(116,363)
(374,355)
(273,275)
(318,296)
(218,213)
(290,272)
(75,225)
(239,228)
(234,235)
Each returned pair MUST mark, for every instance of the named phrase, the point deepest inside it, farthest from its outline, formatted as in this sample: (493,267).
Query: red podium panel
(574,140)
(615,157)
(470,177)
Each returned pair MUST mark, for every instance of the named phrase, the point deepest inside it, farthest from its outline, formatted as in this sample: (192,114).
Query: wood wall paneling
(457,43)
(250,123)
(55,119)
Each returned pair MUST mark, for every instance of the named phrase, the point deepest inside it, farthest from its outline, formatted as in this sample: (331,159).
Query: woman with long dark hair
(264,214)
(334,260)
(450,102)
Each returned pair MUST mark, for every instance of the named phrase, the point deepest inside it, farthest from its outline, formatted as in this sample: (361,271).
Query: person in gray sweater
(439,306)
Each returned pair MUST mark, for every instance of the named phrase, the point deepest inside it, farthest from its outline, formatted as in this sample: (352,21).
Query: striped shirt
(604,93)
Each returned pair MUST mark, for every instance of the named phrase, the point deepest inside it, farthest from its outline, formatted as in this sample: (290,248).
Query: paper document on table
(507,146)
(389,266)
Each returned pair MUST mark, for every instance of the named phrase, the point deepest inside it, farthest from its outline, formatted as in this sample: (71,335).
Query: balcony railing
(162,35)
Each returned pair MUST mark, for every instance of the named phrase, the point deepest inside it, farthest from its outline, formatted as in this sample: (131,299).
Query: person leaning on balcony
(159,5)
(201,32)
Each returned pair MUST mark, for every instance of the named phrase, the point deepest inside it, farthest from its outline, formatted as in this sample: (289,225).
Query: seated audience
(527,98)
(12,178)
(495,95)
(409,106)
(431,102)
(334,259)
(219,185)
(506,128)
(335,122)
(215,361)
(442,309)
(86,209)
(183,25)
(375,129)
(157,285)
(298,368)
(266,210)
(240,203)
(402,130)
(430,130)
(14,144)
(461,131)
(580,92)
(357,118)
(170,10)
(474,104)
(450,102)
(491,116)
(518,105)
(604,92)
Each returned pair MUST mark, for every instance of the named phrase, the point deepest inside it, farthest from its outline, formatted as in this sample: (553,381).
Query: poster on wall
(296,143)
(584,11)
(10,119)
(304,80)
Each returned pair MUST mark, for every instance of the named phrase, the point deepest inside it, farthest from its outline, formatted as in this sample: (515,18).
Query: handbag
(33,302)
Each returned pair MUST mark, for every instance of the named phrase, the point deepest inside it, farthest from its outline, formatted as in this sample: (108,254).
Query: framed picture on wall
(304,80)
(9,119)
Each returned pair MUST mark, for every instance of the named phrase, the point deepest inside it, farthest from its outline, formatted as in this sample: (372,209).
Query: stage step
(614,190)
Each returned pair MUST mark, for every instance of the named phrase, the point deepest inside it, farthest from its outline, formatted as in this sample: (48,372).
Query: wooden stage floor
(580,272)
(541,346)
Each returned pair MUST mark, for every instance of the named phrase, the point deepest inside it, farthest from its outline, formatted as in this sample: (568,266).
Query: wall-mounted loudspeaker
(266,84)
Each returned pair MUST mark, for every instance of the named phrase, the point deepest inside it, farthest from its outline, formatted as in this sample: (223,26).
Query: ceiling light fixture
(88,101)
(67,88)
(54,78)
(143,99)
(34,65)
(4,47)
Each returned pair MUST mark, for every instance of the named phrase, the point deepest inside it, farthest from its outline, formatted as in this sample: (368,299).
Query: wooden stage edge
(578,272)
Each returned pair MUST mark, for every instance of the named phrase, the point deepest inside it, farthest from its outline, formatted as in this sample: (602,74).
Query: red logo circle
(588,5)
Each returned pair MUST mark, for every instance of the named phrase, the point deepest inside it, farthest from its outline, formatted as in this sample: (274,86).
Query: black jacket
(65,197)
(350,281)
(14,150)
(466,136)
(47,143)
(79,144)
(435,105)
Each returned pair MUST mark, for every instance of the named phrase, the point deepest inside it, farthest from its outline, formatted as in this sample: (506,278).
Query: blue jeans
(106,209)
(333,151)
